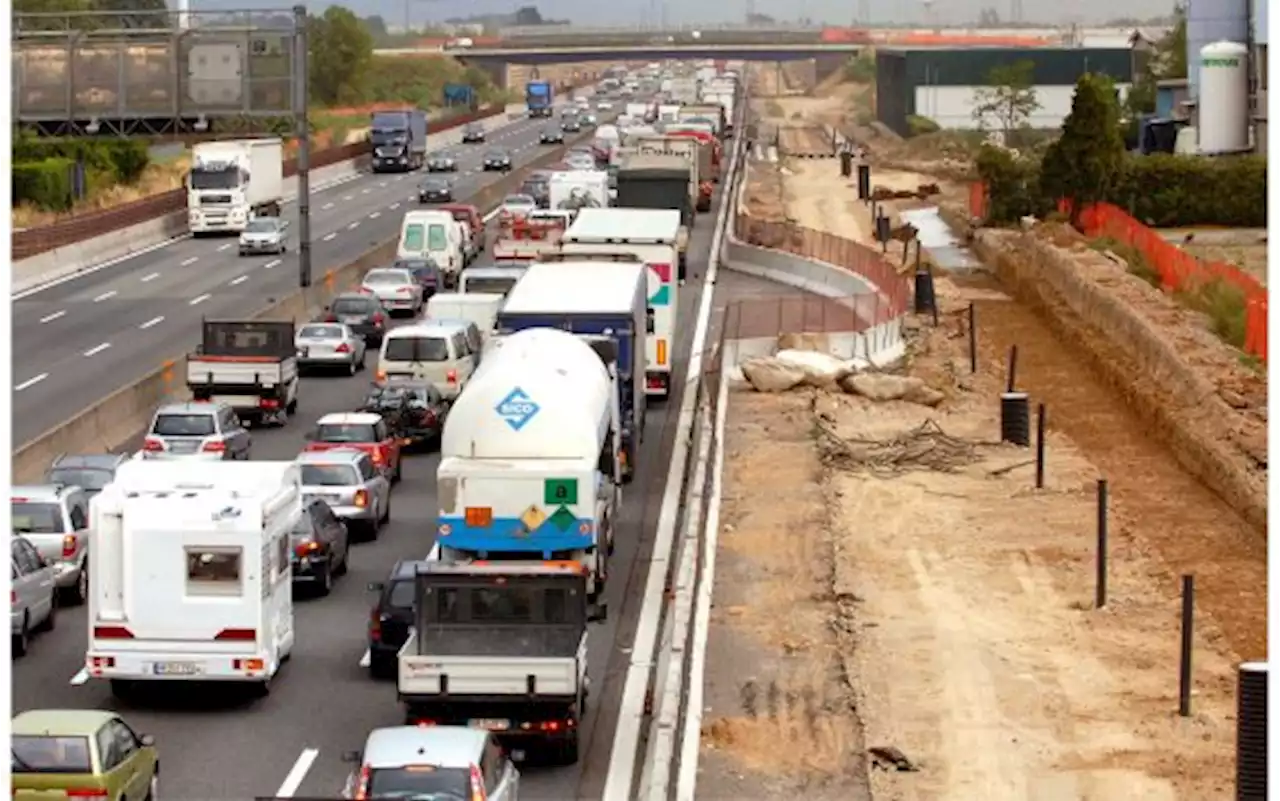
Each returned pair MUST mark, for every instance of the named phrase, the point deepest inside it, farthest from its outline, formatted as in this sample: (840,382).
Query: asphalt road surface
(216,744)
(77,342)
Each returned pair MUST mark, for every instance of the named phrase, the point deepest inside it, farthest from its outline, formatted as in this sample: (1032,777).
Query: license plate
(352,320)
(489,723)
(177,668)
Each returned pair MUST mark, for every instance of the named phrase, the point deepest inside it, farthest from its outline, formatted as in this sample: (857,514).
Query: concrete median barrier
(117,418)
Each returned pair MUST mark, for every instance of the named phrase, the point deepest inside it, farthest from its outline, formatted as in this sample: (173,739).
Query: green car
(84,753)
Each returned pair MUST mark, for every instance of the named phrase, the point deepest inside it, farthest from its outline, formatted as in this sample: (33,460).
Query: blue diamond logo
(517,409)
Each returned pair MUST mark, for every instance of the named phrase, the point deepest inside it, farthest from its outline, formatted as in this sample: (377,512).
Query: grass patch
(1134,258)
(1224,304)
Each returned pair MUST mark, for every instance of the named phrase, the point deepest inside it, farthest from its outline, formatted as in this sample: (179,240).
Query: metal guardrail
(33,241)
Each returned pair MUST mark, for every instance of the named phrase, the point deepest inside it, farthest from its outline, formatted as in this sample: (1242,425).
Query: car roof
(38,492)
(405,569)
(60,722)
(354,418)
(191,407)
(370,299)
(334,456)
(90,461)
(429,327)
(443,746)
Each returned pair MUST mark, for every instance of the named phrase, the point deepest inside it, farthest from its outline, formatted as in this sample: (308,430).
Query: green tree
(1086,162)
(1171,51)
(341,53)
(1009,97)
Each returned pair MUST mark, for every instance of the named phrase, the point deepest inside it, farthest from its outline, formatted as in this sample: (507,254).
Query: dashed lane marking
(48,318)
(196,301)
(297,773)
(224,247)
(367,659)
(151,322)
(270,264)
(375,215)
(327,206)
(31,382)
(151,277)
(105,296)
(240,280)
(190,261)
(81,677)
(353,226)
(328,237)
(96,349)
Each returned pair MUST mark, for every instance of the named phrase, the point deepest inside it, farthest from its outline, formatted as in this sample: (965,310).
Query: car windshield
(385,277)
(88,478)
(435,184)
(493,286)
(320,332)
(183,425)
(495,155)
(518,200)
(260,226)
(401,595)
(346,432)
(353,306)
(385,397)
(420,783)
(417,349)
(49,754)
(35,517)
(329,475)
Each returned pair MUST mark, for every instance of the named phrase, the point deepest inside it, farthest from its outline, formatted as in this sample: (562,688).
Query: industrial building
(1226,98)
(940,84)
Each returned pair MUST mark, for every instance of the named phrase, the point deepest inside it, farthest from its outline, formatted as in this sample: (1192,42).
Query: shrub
(45,184)
(1013,185)
(122,159)
(1166,191)
(861,68)
(919,126)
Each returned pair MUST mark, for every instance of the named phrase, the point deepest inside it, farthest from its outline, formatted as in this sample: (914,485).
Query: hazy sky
(634,12)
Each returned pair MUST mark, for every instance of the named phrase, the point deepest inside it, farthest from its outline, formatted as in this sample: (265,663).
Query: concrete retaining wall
(1210,439)
(113,421)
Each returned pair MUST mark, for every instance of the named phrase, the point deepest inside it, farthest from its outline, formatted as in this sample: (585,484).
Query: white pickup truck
(500,646)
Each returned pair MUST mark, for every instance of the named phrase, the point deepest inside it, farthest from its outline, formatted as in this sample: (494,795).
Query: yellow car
(81,754)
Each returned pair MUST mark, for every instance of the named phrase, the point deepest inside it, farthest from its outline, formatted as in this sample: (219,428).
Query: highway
(76,342)
(215,744)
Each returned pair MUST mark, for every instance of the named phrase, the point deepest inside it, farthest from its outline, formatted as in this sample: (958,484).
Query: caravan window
(413,236)
(437,238)
(213,571)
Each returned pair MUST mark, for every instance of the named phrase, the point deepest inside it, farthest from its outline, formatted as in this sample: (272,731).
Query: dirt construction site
(900,614)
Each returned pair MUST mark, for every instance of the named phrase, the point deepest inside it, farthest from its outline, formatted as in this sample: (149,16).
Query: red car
(465,212)
(362,431)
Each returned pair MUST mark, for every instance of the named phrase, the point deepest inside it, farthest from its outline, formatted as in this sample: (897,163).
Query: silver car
(329,345)
(436,762)
(199,431)
(88,471)
(346,479)
(397,290)
(32,595)
(518,205)
(265,235)
(54,518)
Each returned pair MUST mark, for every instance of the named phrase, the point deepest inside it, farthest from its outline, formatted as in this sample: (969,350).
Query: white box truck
(192,573)
(232,182)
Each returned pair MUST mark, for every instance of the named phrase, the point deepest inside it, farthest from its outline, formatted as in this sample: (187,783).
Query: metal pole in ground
(301,87)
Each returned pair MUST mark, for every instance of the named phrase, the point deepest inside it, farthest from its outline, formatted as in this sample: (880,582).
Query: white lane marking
(367,659)
(151,322)
(326,206)
(48,318)
(270,264)
(224,247)
(383,184)
(80,678)
(328,237)
(297,773)
(191,260)
(196,301)
(394,206)
(96,349)
(105,296)
(26,293)
(375,215)
(151,277)
(353,226)
(31,382)
(240,280)
(365,191)
(347,197)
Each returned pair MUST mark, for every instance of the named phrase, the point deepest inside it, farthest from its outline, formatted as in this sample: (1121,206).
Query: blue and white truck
(539,98)
(530,467)
(595,300)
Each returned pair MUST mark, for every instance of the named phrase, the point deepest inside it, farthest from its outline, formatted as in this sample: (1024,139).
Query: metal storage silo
(1224,98)
(1260,22)
(1210,21)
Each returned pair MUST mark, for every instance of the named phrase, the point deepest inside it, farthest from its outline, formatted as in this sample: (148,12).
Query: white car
(397,290)
(518,205)
(331,345)
(265,235)
(604,105)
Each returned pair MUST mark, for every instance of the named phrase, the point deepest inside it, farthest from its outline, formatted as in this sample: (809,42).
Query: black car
(362,313)
(391,618)
(499,160)
(427,409)
(425,271)
(435,190)
(538,187)
(551,136)
(473,133)
(571,125)
(320,546)
(442,162)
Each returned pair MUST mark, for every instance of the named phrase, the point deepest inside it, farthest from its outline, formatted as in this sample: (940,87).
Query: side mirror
(350,756)
(147,740)
(376,586)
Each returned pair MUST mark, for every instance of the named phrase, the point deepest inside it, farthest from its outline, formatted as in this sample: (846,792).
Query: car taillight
(343,348)
(152,445)
(216,446)
(68,546)
(477,785)
(451,377)
(86,792)
(307,548)
(429,417)
(361,499)
(362,789)
(376,319)
(268,403)
(375,625)
(331,318)
(13,597)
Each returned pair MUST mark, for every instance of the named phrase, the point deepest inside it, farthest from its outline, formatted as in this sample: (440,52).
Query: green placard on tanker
(560,491)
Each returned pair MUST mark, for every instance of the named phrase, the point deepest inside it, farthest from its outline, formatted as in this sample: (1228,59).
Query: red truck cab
(361,431)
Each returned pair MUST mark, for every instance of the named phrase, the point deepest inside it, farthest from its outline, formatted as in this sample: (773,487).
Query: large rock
(804,341)
(819,369)
(885,387)
(767,374)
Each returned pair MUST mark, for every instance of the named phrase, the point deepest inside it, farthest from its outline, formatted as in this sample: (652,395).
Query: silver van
(444,352)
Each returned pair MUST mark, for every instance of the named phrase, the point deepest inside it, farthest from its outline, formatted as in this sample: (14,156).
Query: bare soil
(1252,259)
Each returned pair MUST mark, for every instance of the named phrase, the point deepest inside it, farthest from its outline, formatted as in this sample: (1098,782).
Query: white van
(436,235)
(480,308)
(444,352)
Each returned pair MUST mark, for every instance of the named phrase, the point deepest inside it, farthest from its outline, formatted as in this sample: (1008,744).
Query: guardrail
(81,227)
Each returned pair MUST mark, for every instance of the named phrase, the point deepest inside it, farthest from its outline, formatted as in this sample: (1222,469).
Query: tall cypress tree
(1085,163)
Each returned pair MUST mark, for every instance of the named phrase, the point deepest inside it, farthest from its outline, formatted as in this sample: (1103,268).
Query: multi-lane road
(77,341)
(217,745)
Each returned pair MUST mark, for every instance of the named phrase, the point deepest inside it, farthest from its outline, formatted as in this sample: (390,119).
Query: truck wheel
(292,406)
(326,581)
(22,640)
(566,753)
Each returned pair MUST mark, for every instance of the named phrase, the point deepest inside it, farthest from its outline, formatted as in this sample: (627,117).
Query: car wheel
(326,580)
(351,367)
(82,585)
(381,667)
(397,475)
(341,569)
(153,789)
(22,639)
(51,620)
(386,515)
